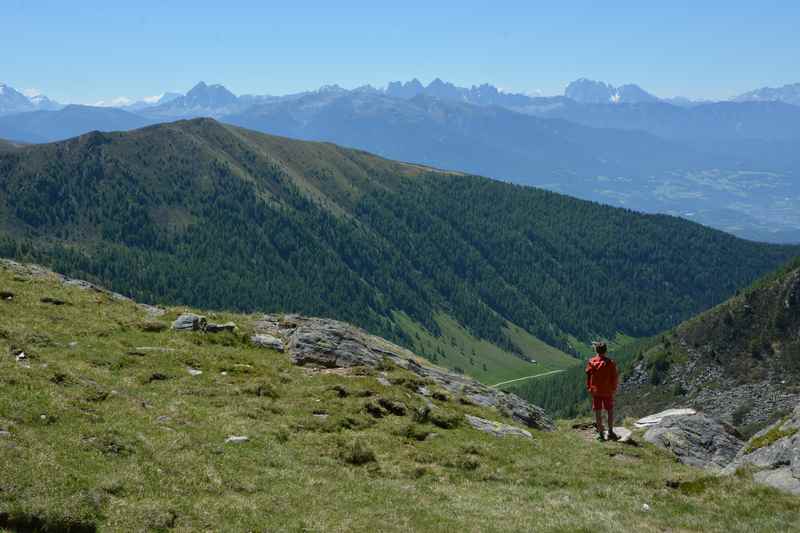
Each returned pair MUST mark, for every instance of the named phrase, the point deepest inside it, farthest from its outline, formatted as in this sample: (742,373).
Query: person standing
(602,380)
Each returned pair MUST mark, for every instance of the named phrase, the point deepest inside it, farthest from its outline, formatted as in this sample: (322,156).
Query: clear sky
(85,50)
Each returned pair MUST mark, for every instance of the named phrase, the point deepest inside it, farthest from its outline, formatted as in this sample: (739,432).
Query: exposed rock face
(190,322)
(496,428)
(696,440)
(776,449)
(330,343)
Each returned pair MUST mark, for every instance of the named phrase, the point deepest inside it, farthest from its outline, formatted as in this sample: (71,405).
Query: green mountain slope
(113,422)
(201,213)
(739,361)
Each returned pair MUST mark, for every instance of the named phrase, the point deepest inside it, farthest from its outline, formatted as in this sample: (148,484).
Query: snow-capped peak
(120,101)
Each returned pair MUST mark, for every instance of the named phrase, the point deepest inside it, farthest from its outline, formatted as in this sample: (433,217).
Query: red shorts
(602,402)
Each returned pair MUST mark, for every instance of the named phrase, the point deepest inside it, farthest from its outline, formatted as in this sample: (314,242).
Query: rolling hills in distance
(732,165)
(477,275)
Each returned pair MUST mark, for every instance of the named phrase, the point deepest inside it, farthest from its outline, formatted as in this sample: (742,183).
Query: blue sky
(85,51)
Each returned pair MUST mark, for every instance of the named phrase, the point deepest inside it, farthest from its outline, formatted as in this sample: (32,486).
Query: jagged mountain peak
(589,91)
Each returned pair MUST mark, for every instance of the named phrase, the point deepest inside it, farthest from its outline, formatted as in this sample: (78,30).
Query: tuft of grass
(357,453)
(774,434)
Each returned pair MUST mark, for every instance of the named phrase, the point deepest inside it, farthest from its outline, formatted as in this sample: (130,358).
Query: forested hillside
(201,213)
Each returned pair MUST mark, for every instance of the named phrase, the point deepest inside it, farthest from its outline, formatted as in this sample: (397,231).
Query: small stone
(4,433)
(645,508)
(6,295)
(194,371)
(237,439)
(72,344)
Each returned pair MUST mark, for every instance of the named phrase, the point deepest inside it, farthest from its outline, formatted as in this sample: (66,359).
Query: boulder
(190,322)
(267,341)
(696,440)
(775,450)
(497,429)
(329,343)
(217,328)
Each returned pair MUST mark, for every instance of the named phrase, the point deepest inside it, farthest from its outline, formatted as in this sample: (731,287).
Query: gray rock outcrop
(696,440)
(333,344)
(776,451)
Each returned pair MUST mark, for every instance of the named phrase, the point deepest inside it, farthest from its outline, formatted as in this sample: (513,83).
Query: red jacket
(601,376)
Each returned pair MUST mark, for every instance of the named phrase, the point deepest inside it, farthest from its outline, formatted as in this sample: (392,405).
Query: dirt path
(526,377)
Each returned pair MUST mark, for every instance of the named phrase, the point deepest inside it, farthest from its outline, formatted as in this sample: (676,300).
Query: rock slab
(652,420)
(497,429)
(776,450)
(696,440)
(329,343)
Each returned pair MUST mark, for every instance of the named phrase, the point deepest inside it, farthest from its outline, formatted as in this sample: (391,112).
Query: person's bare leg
(598,421)
(611,421)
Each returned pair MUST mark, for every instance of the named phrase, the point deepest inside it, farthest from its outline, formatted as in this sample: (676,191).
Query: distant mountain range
(733,165)
(13,101)
(789,94)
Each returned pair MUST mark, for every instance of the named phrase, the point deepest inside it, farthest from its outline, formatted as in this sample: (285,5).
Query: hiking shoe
(612,435)
(600,437)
